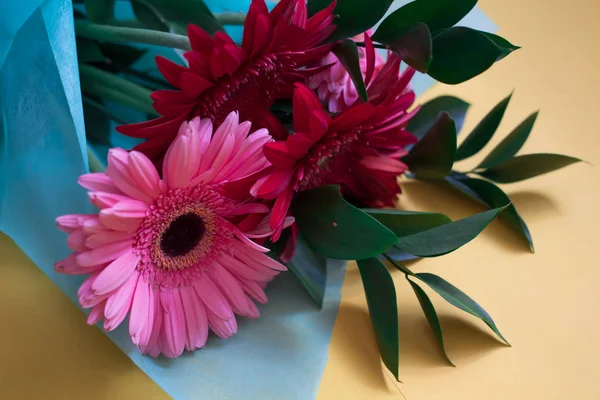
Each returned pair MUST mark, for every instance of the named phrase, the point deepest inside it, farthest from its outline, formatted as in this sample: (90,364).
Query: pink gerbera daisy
(357,149)
(175,253)
(334,85)
(223,77)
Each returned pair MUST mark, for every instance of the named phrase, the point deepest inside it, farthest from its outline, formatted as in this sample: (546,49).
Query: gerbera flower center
(254,86)
(184,233)
(331,159)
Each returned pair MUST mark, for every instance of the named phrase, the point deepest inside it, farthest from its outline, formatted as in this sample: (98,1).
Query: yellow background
(547,304)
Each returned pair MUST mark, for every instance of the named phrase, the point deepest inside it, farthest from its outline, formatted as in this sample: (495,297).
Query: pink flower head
(333,85)
(223,77)
(357,149)
(172,252)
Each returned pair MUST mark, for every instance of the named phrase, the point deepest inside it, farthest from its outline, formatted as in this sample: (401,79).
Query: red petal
(193,85)
(200,39)
(318,123)
(274,184)
(199,64)
(171,71)
(370,53)
(278,154)
(257,8)
(299,144)
(304,102)
(352,118)
(262,35)
(280,211)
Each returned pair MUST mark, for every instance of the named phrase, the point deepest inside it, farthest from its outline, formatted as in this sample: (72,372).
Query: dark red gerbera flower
(357,149)
(223,77)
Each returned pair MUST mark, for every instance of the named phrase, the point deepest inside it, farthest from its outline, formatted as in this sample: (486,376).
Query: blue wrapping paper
(43,151)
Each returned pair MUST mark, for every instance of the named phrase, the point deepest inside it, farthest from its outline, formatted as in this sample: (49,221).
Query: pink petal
(96,314)
(70,267)
(118,171)
(140,307)
(254,290)
(174,322)
(180,163)
(105,200)
(196,320)
(103,254)
(121,299)
(103,238)
(212,297)
(144,174)
(241,270)
(76,240)
(116,273)
(112,220)
(152,347)
(224,328)
(98,181)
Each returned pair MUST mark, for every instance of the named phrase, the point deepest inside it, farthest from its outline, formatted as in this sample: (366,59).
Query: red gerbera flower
(223,77)
(357,149)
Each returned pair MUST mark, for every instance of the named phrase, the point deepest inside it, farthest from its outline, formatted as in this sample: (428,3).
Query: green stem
(100,107)
(93,161)
(112,87)
(399,266)
(232,18)
(108,33)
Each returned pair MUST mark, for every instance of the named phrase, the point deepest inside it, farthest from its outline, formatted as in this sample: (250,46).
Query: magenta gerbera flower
(358,149)
(223,77)
(176,253)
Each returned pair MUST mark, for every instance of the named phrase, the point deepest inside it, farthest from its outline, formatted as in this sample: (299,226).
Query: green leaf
(433,156)
(527,166)
(88,51)
(149,16)
(459,299)
(483,132)
(414,47)
(187,12)
(100,10)
(94,163)
(383,309)
(448,237)
(511,144)
(493,196)
(431,316)
(502,43)
(311,270)
(460,54)
(352,16)
(347,52)
(420,124)
(336,229)
(436,14)
(405,223)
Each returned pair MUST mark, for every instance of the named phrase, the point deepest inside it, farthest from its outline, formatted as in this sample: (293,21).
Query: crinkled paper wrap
(282,355)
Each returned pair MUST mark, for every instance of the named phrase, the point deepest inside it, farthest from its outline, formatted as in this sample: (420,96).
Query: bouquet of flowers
(273,148)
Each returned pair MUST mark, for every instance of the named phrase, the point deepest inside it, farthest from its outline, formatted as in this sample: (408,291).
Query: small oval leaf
(436,14)
(336,229)
(458,299)
(460,54)
(347,53)
(511,144)
(527,166)
(414,47)
(433,156)
(448,237)
(352,17)
(483,132)
(383,309)
(420,124)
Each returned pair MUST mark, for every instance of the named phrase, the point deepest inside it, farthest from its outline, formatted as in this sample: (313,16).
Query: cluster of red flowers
(282,51)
